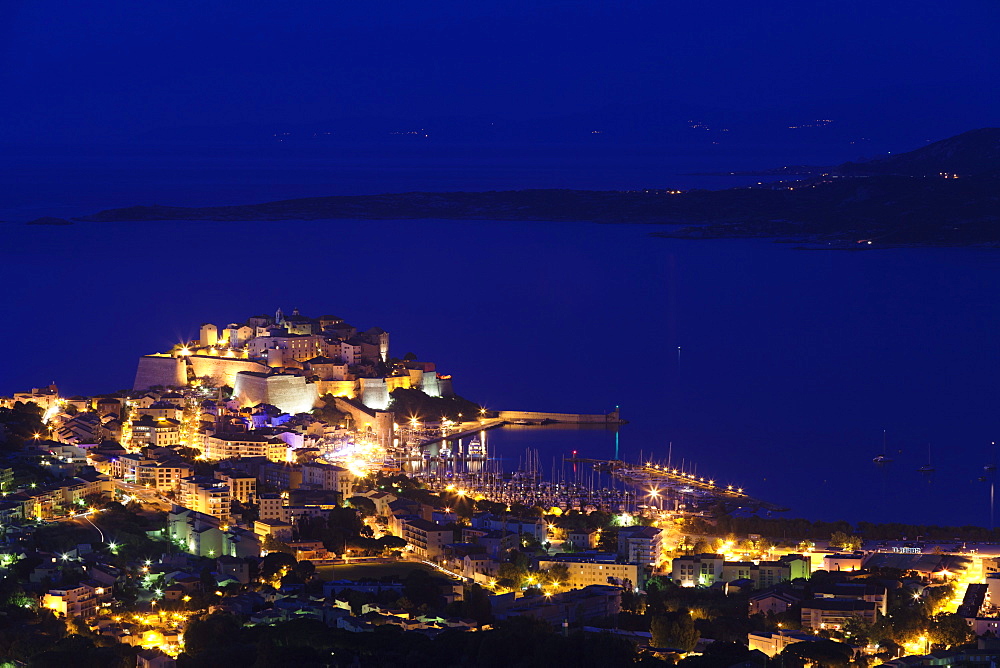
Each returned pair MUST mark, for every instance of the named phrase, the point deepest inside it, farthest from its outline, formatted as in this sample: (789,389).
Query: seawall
(574,418)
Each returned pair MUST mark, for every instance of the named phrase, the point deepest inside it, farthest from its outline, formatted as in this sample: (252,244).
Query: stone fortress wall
(222,370)
(161,370)
(291,394)
(379,423)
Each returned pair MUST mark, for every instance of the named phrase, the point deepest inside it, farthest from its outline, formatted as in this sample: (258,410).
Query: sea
(779,370)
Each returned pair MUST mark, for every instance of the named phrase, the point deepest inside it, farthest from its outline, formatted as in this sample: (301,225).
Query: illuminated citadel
(290,361)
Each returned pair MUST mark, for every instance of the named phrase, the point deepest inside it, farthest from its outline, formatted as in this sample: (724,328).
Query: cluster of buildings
(706,570)
(237,474)
(290,361)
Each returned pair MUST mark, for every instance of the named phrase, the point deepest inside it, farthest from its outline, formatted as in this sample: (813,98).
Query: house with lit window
(427,538)
(833,613)
(79,601)
(164,476)
(641,545)
(700,570)
(242,486)
(593,568)
(206,536)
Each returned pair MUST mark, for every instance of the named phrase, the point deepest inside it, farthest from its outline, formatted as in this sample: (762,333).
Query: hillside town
(166,524)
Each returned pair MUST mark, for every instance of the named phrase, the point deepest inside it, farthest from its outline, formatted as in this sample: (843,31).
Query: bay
(790,365)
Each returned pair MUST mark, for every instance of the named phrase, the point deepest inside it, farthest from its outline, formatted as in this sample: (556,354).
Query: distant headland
(945,193)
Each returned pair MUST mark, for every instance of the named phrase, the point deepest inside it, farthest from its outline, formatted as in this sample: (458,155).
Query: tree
(719,654)
(702,546)
(608,541)
(207,632)
(276,564)
(558,573)
(272,545)
(950,630)
(840,540)
(391,543)
(674,630)
(822,653)
(476,604)
(304,569)
(363,505)
(858,630)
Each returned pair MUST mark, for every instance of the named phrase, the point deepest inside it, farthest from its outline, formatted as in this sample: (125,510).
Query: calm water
(791,363)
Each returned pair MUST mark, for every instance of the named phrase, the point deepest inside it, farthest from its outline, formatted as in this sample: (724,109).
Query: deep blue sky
(84,71)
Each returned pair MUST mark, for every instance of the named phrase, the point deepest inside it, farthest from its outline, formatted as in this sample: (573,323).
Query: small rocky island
(49,220)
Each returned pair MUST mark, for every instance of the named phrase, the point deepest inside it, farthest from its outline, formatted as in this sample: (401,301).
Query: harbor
(467,462)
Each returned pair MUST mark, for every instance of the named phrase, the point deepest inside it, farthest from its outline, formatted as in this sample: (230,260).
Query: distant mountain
(911,198)
(971,153)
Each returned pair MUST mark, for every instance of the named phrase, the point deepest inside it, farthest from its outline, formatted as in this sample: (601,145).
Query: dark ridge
(946,193)
(968,154)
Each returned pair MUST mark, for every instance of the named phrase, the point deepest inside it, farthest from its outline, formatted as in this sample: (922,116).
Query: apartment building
(205,495)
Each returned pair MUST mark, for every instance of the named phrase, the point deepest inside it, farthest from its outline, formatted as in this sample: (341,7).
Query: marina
(466,463)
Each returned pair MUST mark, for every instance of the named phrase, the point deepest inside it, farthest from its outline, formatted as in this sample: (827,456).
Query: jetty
(667,480)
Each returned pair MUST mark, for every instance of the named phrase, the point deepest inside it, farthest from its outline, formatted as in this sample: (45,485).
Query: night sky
(118,69)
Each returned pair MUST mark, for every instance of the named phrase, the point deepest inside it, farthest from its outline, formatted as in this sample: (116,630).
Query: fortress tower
(209,335)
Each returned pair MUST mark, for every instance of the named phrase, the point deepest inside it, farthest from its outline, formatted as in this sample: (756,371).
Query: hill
(971,153)
(911,198)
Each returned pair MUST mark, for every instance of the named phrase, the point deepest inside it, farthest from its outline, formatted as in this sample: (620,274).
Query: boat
(927,468)
(475,449)
(883,458)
